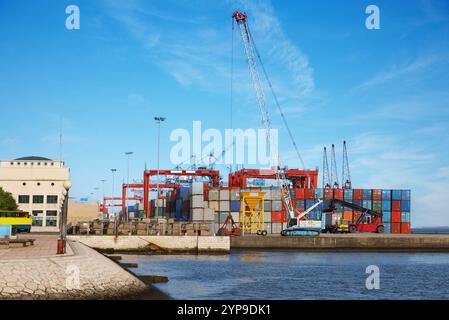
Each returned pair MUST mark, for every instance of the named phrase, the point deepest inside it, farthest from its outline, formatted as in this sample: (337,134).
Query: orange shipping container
(338,194)
(396,216)
(395,227)
(357,194)
(347,216)
(278,216)
(377,194)
(396,205)
(405,228)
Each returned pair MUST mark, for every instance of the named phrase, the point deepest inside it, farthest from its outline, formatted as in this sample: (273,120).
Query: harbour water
(246,274)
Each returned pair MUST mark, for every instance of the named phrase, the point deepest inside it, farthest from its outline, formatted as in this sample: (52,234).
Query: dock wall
(157,244)
(356,242)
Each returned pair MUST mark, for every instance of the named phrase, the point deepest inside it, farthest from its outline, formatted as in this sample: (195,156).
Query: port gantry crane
(296,225)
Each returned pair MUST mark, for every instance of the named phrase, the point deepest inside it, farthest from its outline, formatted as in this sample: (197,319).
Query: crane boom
(251,58)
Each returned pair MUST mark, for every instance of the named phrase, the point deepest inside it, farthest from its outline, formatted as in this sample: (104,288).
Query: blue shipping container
(405,205)
(386,194)
(387,228)
(367,204)
(357,202)
(396,194)
(405,194)
(309,203)
(319,193)
(367,194)
(386,205)
(348,195)
(235,205)
(386,216)
(405,217)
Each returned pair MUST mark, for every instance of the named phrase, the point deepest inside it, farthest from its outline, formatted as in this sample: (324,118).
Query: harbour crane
(326,177)
(334,172)
(296,220)
(346,176)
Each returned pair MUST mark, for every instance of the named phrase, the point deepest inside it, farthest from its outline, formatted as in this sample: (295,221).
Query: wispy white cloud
(399,71)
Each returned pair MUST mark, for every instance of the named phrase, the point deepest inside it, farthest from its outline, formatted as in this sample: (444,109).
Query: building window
(38,183)
(52,184)
(24,184)
(38,199)
(18,163)
(37,218)
(38,163)
(12,163)
(51,218)
(45,163)
(52,199)
(24,199)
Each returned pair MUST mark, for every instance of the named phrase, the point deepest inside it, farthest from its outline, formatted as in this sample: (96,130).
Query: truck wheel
(352,229)
(264,233)
(380,229)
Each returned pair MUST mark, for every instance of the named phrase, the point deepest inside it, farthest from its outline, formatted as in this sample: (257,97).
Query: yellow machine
(252,213)
(20,221)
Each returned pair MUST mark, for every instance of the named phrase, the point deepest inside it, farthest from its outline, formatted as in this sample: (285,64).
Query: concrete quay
(157,244)
(35,273)
(348,242)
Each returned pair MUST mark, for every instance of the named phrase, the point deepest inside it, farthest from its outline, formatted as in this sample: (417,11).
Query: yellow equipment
(252,213)
(18,220)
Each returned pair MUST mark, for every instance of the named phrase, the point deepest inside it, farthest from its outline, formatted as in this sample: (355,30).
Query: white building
(37,185)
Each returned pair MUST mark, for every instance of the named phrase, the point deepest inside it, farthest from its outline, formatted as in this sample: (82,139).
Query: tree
(7,201)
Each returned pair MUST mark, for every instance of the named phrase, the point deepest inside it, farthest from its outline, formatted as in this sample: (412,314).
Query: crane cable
(280,108)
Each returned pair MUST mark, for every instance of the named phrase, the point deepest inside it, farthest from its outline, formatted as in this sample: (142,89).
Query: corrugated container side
(319,193)
(328,194)
(405,194)
(348,195)
(395,227)
(267,205)
(338,194)
(309,194)
(367,194)
(395,216)
(396,205)
(406,228)
(405,205)
(386,194)
(235,205)
(367,204)
(377,194)
(387,227)
(300,205)
(300,193)
(405,217)
(396,194)
(386,205)
(358,194)
(386,216)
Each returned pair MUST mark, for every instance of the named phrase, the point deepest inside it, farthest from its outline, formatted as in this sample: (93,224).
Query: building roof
(32,158)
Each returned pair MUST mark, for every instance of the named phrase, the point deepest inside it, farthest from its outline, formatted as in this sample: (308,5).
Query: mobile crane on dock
(297,223)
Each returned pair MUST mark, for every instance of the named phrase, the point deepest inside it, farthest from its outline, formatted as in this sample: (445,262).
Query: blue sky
(384,91)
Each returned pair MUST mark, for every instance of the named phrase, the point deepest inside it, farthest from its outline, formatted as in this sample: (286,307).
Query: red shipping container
(396,216)
(278,216)
(328,194)
(395,227)
(405,228)
(377,194)
(299,194)
(309,194)
(338,194)
(357,194)
(396,205)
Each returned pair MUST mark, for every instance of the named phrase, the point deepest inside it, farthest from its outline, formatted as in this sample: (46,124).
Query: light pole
(113,195)
(61,248)
(128,154)
(158,120)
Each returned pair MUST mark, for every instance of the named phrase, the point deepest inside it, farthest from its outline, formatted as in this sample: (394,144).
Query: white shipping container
(276,205)
(267,226)
(224,205)
(267,194)
(209,215)
(224,194)
(236,216)
(276,227)
(214,195)
(276,194)
(235,194)
(215,205)
(197,188)
(267,216)
(197,214)
(223,216)
(197,201)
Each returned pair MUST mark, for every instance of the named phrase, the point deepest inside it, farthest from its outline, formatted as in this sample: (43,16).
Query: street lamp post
(158,120)
(128,154)
(113,200)
(61,249)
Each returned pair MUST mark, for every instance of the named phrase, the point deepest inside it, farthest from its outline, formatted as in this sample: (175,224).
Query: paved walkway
(44,246)
(36,272)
